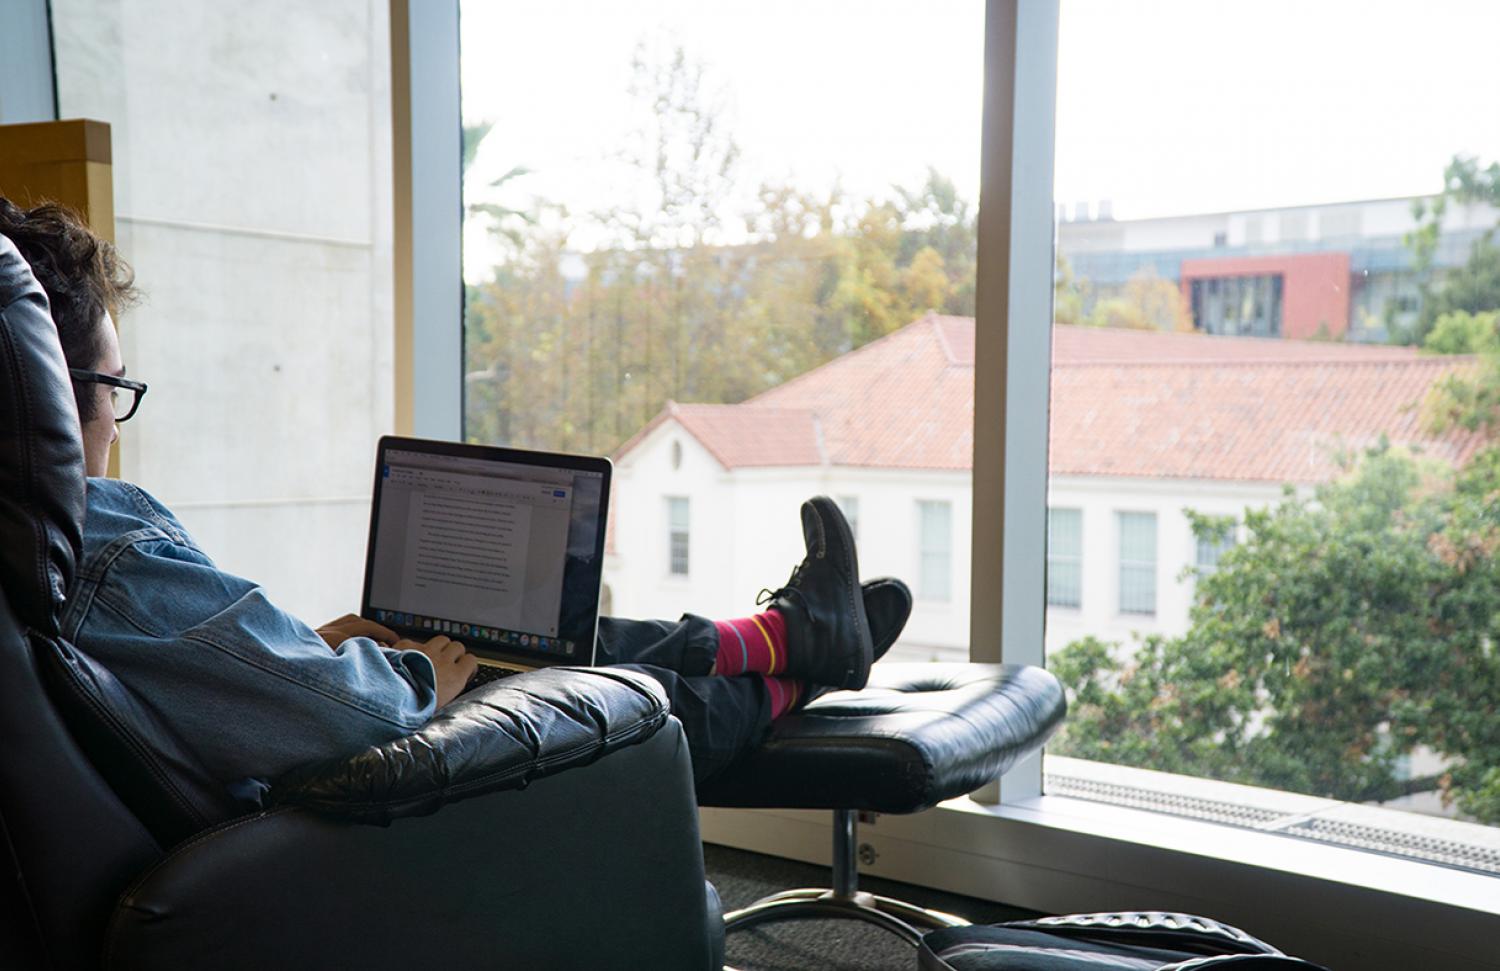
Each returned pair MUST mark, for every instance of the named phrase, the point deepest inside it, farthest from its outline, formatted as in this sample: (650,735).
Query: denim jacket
(252,690)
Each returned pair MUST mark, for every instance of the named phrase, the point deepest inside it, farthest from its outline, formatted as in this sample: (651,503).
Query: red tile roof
(1124,403)
(739,436)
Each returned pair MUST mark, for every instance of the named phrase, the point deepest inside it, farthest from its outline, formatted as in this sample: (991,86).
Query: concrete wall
(253,193)
(745,535)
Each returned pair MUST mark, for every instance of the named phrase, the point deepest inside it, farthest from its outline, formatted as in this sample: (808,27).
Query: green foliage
(1468,399)
(1341,634)
(1070,294)
(1473,287)
(1148,303)
(1460,332)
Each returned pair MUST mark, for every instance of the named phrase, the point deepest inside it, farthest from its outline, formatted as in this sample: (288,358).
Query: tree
(1070,294)
(1460,332)
(1340,635)
(1148,303)
(1473,287)
(936,218)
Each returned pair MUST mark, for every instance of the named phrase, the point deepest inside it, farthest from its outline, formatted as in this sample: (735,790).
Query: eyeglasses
(123,406)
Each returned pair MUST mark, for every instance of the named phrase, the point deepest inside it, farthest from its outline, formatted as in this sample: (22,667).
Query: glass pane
(1211,548)
(1064,556)
(1137,562)
(1275,318)
(677,513)
(670,241)
(678,536)
(935,544)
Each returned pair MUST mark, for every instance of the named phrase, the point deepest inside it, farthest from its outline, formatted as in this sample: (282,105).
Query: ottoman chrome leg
(845,899)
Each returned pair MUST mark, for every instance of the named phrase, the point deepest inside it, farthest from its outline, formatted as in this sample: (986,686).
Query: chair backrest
(70,844)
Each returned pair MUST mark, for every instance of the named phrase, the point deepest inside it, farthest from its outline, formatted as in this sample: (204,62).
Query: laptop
(501,549)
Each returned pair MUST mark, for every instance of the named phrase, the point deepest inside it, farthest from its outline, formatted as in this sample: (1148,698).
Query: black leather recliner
(117,850)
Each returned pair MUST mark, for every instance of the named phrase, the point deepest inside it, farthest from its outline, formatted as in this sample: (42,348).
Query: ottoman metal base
(845,899)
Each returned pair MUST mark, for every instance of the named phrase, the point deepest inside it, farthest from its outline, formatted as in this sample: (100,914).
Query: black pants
(722,716)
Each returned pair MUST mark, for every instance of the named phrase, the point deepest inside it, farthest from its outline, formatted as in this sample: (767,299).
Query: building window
(1064,557)
(1137,562)
(1246,306)
(935,545)
(849,506)
(1210,548)
(677,536)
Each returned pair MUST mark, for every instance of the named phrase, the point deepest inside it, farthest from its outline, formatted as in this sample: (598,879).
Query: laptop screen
(501,549)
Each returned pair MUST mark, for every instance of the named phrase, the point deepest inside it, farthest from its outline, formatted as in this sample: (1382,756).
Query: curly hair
(83,275)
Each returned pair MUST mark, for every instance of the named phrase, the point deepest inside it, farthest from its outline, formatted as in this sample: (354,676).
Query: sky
(1163,106)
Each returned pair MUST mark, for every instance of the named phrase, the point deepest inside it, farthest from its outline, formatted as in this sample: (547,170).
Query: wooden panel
(60,161)
(66,162)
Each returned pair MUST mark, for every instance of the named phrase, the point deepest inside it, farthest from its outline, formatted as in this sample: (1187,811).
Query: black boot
(887,606)
(828,635)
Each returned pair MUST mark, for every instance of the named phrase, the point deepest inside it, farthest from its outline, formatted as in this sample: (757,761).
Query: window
(1238,305)
(1064,557)
(1210,548)
(1137,562)
(1092,59)
(1348,509)
(935,550)
(666,243)
(849,506)
(677,536)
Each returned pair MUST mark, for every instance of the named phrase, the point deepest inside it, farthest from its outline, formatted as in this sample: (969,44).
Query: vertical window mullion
(1013,329)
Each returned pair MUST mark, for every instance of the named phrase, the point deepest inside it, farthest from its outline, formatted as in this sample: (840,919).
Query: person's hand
(453,664)
(336,632)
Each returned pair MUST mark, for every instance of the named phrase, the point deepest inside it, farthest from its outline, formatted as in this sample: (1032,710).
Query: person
(254,692)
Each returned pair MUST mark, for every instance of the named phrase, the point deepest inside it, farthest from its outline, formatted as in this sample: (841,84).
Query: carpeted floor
(823,945)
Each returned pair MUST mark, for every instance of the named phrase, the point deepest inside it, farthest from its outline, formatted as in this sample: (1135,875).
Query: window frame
(1009,841)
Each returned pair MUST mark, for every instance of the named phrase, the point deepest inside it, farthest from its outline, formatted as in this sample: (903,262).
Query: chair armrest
(499,736)
(599,867)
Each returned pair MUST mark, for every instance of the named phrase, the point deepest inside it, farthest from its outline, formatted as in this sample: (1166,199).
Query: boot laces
(789,592)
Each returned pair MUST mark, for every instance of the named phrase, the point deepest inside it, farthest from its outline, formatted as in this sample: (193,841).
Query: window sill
(1344,908)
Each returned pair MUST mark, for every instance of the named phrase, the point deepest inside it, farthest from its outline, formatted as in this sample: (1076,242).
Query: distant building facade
(1327,271)
(1144,426)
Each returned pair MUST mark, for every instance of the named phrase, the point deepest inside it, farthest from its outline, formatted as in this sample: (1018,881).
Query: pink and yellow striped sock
(784,693)
(751,644)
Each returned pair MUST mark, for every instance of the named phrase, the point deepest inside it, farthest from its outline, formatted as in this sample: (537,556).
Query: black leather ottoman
(917,735)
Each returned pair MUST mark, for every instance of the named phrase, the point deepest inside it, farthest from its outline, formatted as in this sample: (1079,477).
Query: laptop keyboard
(487,673)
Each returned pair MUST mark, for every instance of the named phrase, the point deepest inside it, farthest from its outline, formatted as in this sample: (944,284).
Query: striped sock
(751,644)
(784,693)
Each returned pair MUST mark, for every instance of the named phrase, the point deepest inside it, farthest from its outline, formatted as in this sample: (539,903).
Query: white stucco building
(1143,426)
